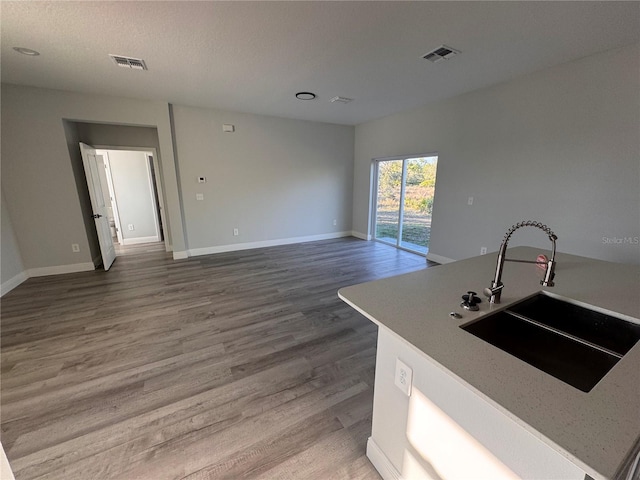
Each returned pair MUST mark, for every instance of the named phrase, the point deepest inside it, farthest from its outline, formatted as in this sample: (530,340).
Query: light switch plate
(404,377)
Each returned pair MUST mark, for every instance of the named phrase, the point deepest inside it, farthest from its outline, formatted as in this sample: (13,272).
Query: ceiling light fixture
(26,51)
(305,96)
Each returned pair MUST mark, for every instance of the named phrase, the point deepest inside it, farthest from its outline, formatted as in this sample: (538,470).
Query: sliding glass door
(404,202)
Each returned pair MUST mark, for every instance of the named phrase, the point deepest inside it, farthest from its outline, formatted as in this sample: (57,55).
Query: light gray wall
(131,183)
(37,174)
(273,178)
(10,258)
(560,146)
(118,135)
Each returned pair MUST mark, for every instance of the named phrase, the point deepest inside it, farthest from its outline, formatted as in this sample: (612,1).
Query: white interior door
(112,195)
(92,162)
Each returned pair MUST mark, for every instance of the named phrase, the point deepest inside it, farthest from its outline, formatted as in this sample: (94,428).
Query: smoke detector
(341,100)
(128,62)
(441,53)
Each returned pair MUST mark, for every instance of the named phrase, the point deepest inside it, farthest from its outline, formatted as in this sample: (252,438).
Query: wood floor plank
(235,365)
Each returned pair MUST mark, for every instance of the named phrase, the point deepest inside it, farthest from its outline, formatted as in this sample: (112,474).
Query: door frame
(165,234)
(156,193)
(374,198)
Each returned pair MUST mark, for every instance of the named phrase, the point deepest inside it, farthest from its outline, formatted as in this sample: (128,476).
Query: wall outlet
(131,227)
(470,201)
(335,222)
(235,232)
(199,196)
(404,377)
(483,250)
(75,247)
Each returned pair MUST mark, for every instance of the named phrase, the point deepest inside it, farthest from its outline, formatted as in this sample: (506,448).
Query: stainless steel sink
(574,344)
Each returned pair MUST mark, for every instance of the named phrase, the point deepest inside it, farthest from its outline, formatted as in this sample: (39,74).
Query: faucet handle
(471,298)
(493,289)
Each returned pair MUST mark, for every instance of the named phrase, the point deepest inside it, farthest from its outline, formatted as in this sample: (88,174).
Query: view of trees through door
(404,202)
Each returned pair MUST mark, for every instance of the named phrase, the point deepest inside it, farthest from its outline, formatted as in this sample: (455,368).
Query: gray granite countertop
(596,430)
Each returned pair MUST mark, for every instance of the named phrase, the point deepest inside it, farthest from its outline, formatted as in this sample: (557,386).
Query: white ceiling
(254,56)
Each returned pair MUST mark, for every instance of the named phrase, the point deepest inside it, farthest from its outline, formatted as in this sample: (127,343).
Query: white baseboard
(379,460)
(438,259)
(61,269)
(194,252)
(12,283)
(135,241)
(361,236)
(180,255)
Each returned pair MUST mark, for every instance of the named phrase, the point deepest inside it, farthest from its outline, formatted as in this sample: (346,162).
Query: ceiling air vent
(128,62)
(441,53)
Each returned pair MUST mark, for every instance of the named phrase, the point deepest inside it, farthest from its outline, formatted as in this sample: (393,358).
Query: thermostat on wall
(227,127)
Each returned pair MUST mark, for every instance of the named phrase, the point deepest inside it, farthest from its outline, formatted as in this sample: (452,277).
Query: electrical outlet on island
(404,377)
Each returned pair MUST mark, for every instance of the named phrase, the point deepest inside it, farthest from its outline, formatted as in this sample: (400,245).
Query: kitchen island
(474,405)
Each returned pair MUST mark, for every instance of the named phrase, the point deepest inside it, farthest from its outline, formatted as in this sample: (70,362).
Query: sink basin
(574,344)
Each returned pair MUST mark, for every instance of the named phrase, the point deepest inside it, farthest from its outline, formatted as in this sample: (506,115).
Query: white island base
(445,430)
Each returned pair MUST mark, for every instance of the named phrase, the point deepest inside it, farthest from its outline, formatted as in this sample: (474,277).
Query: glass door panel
(389,190)
(420,183)
(404,202)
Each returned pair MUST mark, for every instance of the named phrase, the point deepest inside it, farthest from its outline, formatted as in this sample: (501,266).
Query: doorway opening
(404,191)
(134,208)
(125,197)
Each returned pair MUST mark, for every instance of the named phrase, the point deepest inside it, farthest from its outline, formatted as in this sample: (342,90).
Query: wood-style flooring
(235,365)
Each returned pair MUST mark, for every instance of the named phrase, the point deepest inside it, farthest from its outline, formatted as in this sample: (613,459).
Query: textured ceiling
(254,56)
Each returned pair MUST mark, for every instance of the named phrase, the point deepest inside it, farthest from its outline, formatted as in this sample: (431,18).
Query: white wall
(37,174)
(560,146)
(132,185)
(11,267)
(273,178)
